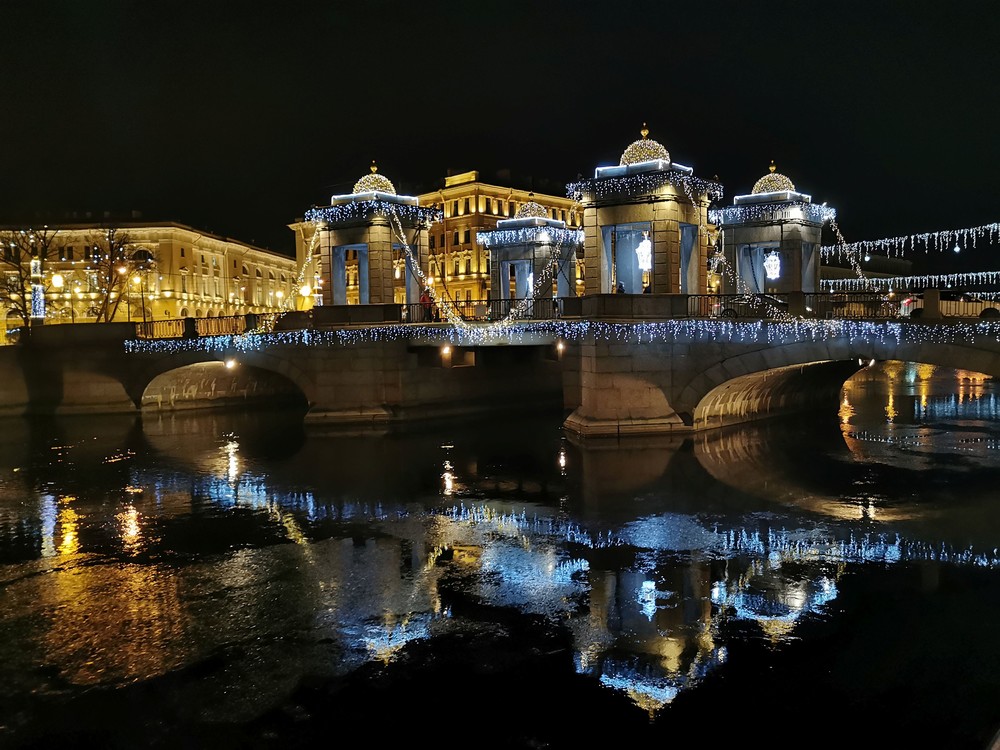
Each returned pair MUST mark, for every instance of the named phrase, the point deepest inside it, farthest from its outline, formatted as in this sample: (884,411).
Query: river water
(227,580)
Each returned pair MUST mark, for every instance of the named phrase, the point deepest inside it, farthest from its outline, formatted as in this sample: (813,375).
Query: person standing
(425,304)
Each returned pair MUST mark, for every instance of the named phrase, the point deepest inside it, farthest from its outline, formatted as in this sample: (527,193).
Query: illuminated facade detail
(772,265)
(373,183)
(646,198)
(773,182)
(644,150)
(644,253)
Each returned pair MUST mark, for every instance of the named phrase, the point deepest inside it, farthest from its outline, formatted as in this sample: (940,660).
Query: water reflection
(240,542)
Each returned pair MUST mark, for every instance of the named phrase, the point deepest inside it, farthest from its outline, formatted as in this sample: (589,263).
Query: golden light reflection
(890,408)
(128,525)
(112,624)
(449,478)
(846,411)
(68,523)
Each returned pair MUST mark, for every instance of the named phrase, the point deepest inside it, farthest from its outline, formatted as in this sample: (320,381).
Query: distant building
(184,273)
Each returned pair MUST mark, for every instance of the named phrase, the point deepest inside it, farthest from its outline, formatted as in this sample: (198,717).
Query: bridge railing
(176,328)
(841,305)
(852,305)
(483,310)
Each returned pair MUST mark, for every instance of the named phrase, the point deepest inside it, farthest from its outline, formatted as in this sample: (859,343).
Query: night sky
(236,118)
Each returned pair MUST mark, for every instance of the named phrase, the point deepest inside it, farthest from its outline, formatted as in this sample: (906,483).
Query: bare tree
(23,255)
(115,261)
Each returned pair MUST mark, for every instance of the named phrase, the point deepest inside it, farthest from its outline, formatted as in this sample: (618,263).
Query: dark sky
(236,118)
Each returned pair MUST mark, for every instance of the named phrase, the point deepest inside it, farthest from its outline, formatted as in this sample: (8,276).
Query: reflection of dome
(530,210)
(372,182)
(773,182)
(644,150)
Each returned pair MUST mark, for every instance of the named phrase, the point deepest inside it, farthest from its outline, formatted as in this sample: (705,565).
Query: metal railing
(482,310)
(232,325)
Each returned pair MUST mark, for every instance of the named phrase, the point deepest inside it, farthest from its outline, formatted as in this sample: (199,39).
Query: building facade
(169,271)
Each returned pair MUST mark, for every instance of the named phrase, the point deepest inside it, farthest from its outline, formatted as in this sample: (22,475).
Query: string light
(778,211)
(925,281)
(365,209)
(641,184)
(926,241)
(646,332)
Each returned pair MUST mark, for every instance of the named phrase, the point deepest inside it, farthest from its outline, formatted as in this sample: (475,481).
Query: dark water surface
(230,580)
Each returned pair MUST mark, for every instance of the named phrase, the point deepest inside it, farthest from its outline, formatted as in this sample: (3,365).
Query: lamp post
(123,288)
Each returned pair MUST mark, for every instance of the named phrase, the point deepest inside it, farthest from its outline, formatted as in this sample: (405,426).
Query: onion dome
(531,210)
(372,182)
(644,149)
(772,182)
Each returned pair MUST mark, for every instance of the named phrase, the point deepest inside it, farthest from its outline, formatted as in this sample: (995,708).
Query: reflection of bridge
(623,364)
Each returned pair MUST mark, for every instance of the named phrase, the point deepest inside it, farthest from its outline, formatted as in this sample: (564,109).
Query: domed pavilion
(771,240)
(366,247)
(645,223)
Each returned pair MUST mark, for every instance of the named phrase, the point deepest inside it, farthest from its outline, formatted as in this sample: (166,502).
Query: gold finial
(644,131)
(374,169)
(772,166)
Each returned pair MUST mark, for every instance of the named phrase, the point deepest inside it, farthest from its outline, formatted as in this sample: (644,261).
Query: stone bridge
(611,378)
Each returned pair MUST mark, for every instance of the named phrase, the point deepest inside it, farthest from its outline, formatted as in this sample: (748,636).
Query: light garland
(927,281)
(643,184)
(529,236)
(365,209)
(777,211)
(946,239)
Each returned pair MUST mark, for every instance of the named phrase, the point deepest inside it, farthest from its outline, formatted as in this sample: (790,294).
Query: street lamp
(123,287)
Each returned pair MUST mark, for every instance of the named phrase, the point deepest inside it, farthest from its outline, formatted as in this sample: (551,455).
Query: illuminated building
(174,271)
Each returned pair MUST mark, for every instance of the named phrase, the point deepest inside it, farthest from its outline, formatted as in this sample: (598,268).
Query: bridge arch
(803,375)
(200,378)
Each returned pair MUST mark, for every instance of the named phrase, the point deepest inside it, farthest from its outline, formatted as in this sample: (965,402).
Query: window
(454,209)
(468,265)
(454,239)
(431,242)
(467,237)
(442,240)
(182,252)
(468,295)
(467,209)
(456,266)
